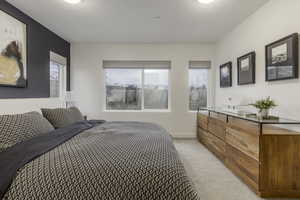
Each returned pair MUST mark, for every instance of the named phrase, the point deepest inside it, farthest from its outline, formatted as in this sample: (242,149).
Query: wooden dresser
(262,155)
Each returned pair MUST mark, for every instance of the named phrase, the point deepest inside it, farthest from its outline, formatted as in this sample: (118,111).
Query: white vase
(264,113)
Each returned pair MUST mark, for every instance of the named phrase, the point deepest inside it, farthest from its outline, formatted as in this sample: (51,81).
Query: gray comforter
(111,161)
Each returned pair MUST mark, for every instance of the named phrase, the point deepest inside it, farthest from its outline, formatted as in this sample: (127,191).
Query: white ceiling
(139,20)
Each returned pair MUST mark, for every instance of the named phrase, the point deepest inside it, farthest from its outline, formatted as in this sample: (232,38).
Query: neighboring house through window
(137,85)
(198,84)
(57,76)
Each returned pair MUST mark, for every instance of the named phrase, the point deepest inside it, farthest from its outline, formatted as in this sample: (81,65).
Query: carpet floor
(211,178)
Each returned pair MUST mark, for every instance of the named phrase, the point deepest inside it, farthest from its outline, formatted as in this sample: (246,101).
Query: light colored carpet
(212,179)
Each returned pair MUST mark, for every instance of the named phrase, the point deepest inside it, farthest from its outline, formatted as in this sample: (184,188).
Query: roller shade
(137,64)
(200,64)
(58,58)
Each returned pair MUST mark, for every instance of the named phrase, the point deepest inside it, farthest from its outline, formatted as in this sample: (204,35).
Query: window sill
(137,111)
(192,111)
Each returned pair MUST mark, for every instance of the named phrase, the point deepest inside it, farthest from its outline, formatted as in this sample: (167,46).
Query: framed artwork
(226,75)
(13,51)
(246,69)
(282,59)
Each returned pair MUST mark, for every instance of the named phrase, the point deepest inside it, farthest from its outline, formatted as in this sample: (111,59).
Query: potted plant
(264,106)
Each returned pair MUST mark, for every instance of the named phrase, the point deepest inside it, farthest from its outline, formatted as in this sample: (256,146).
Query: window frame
(142,92)
(208,86)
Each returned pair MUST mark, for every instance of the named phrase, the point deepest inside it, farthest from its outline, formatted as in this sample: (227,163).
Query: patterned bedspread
(112,161)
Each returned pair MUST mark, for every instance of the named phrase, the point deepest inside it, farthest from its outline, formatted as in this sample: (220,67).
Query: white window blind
(58,58)
(199,64)
(137,64)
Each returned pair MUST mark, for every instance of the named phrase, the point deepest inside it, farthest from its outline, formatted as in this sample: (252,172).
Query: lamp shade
(69,100)
(69,96)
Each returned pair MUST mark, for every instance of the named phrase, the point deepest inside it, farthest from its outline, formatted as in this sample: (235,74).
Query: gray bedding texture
(110,161)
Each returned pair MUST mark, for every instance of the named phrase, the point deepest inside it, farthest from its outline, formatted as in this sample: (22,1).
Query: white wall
(87,81)
(17,106)
(276,19)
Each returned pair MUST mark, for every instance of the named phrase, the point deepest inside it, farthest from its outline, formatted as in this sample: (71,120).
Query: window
(54,80)
(156,88)
(198,83)
(137,87)
(123,89)
(57,76)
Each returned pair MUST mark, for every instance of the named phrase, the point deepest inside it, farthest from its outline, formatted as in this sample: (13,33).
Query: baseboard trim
(184,135)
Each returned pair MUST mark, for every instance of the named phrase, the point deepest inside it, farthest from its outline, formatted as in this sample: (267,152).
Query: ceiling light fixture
(73,1)
(206,1)
(156,17)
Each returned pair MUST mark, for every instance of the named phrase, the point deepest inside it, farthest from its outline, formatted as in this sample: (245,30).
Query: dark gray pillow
(21,127)
(76,115)
(61,117)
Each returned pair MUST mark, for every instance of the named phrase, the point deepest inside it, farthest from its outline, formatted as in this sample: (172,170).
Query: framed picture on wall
(13,51)
(282,59)
(226,75)
(246,69)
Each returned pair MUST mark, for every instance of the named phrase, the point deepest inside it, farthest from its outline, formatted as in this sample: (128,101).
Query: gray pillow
(61,117)
(76,115)
(18,128)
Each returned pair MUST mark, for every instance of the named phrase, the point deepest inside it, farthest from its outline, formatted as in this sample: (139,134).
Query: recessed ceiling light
(73,1)
(156,17)
(206,1)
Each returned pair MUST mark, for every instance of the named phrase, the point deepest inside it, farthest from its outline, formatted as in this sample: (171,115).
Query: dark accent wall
(39,44)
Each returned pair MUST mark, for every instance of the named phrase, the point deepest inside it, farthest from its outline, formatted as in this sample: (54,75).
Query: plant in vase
(264,106)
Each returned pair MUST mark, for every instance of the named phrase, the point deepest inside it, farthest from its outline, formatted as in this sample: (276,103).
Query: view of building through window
(156,88)
(198,82)
(123,89)
(136,89)
(55,77)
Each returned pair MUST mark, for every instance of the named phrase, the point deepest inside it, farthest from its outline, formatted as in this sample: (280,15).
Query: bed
(96,160)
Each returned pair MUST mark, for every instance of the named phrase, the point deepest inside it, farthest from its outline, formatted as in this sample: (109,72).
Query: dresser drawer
(214,144)
(218,116)
(200,133)
(243,166)
(246,142)
(218,128)
(202,121)
(244,125)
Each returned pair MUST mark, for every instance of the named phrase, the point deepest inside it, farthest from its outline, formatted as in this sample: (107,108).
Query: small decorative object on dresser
(282,59)
(226,75)
(264,106)
(246,69)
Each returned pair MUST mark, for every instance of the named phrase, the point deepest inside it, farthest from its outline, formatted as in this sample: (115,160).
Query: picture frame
(246,67)
(226,75)
(282,59)
(13,51)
